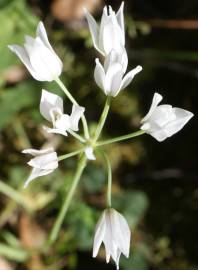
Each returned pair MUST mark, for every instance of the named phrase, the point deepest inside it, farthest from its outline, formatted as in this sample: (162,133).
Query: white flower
(51,108)
(112,229)
(110,78)
(44,162)
(89,153)
(163,121)
(111,33)
(38,56)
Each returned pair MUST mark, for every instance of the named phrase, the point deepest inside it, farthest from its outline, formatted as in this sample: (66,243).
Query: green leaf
(14,254)
(82,220)
(16,20)
(15,99)
(136,261)
(132,204)
(94,179)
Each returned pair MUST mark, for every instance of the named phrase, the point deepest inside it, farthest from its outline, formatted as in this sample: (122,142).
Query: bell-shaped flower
(163,121)
(51,108)
(110,34)
(38,56)
(111,78)
(112,229)
(44,162)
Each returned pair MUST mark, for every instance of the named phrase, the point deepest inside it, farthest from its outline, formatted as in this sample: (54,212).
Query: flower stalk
(57,225)
(72,99)
(109,177)
(121,138)
(77,136)
(74,153)
(102,118)
(14,195)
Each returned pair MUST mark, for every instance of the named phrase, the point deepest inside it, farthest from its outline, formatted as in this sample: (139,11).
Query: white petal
(48,102)
(159,134)
(63,122)
(110,245)
(111,58)
(121,232)
(55,131)
(41,32)
(89,153)
(113,79)
(120,19)
(23,56)
(94,29)
(99,234)
(145,126)
(112,36)
(118,259)
(77,113)
(45,162)
(116,82)
(162,115)
(108,256)
(36,173)
(129,76)
(156,100)
(99,74)
(29,41)
(35,152)
(182,117)
(44,61)
(116,57)
(124,59)
(104,21)
(110,248)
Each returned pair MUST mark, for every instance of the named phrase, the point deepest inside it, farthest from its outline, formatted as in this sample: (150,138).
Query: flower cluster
(109,40)
(161,122)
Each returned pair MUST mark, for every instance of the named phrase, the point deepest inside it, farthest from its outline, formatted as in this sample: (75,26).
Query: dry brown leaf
(69,10)
(14,74)
(31,234)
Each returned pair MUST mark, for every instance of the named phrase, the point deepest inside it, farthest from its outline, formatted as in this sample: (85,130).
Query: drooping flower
(163,121)
(38,56)
(110,34)
(110,78)
(112,229)
(51,108)
(44,162)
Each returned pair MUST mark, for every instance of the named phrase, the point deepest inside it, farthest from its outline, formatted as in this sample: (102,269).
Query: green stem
(21,133)
(102,118)
(121,138)
(14,195)
(70,154)
(77,136)
(85,126)
(109,172)
(66,91)
(67,201)
(7,212)
(71,98)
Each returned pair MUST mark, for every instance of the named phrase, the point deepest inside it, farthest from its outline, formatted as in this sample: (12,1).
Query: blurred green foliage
(16,19)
